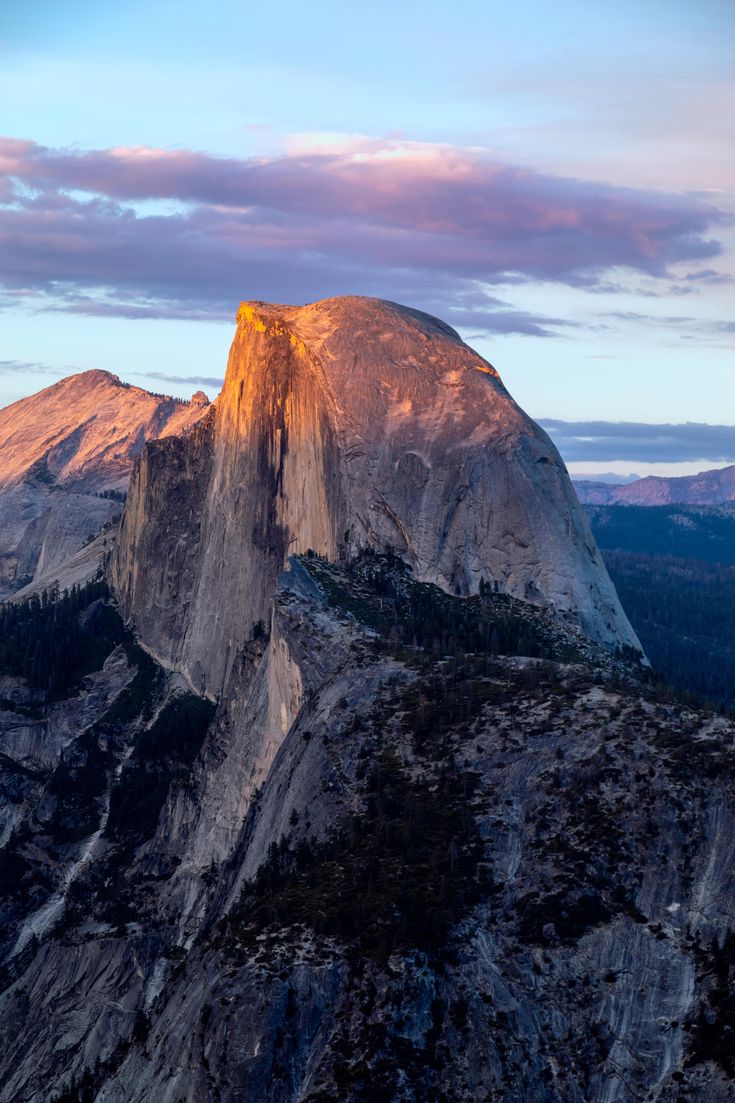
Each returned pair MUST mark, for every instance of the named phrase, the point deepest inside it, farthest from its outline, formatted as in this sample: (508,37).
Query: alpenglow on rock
(346,424)
(59,450)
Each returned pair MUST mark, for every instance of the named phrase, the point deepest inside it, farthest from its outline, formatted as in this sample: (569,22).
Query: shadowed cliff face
(347,424)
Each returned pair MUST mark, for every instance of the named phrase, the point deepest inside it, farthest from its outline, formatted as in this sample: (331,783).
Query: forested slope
(674,569)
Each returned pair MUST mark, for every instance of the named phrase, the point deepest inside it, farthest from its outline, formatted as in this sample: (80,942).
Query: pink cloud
(388,217)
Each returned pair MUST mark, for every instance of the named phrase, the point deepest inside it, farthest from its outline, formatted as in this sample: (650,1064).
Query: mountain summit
(347,424)
(60,449)
(87,429)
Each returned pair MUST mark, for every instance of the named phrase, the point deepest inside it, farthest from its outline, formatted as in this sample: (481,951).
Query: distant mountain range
(708,488)
(612,478)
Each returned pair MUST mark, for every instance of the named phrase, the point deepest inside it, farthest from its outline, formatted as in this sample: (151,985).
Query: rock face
(708,488)
(375,874)
(60,449)
(347,424)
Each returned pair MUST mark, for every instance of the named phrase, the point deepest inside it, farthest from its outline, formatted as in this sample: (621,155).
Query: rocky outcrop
(376,873)
(347,424)
(61,449)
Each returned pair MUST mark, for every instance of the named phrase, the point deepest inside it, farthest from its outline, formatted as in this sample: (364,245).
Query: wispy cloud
(606,441)
(412,221)
(191,380)
(23,367)
(708,276)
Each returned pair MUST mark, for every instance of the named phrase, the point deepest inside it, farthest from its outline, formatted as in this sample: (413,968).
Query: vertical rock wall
(347,424)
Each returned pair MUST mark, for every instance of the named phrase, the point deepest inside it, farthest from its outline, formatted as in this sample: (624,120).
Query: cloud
(606,441)
(708,275)
(400,219)
(634,316)
(474,309)
(194,380)
(23,367)
(126,305)
(707,332)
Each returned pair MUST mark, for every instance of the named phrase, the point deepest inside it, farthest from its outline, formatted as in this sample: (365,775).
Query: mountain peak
(344,308)
(707,488)
(344,425)
(94,376)
(355,316)
(60,449)
(88,425)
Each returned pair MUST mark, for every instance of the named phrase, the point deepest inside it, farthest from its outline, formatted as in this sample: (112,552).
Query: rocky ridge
(708,488)
(61,450)
(439,847)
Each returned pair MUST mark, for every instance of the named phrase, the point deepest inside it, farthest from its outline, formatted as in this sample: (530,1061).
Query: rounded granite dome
(347,424)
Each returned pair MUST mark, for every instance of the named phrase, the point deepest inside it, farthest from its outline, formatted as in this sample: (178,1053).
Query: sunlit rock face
(87,429)
(346,424)
(62,447)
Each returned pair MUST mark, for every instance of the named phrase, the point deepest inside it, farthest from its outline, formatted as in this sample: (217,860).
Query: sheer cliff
(429,847)
(347,424)
(59,450)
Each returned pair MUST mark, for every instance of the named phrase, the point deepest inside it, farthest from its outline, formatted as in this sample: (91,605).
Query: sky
(555,179)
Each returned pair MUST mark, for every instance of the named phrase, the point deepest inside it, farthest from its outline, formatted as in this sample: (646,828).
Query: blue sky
(555,179)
